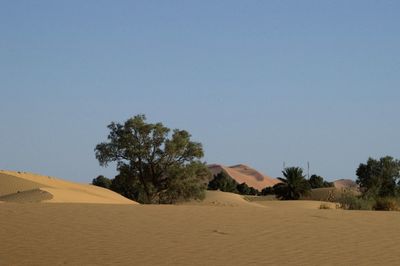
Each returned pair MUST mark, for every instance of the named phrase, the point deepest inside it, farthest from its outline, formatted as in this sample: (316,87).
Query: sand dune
(28,187)
(27,196)
(219,198)
(224,229)
(283,233)
(245,174)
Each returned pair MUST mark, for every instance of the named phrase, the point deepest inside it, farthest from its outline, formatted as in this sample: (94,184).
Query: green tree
(267,191)
(243,189)
(223,182)
(293,185)
(379,178)
(316,181)
(154,165)
(102,181)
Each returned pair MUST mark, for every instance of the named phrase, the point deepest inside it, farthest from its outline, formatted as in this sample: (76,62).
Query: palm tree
(293,185)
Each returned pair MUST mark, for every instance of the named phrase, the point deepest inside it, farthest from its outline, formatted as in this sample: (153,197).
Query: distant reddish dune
(245,174)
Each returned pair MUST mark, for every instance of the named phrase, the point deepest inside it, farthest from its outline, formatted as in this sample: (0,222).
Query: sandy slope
(225,229)
(219,198)
(28,187)
(245,174)
(282,233)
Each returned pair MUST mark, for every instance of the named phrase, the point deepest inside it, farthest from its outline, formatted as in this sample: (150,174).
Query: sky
(256,82)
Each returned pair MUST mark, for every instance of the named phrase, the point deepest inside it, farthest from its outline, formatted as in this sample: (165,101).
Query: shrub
(267,191)
(349,201)
(243,189)
(324,206)
(223,182)
(386,204)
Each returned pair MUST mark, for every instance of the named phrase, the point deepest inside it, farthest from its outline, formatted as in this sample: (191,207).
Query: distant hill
(345,183)
(245,174)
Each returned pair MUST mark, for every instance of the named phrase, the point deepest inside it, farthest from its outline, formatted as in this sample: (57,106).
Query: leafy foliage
(379,178)
(317,181)
(349,201)
(102,181)
(244,189)
(293,185)
(223,182)
(154,166)
(267,191)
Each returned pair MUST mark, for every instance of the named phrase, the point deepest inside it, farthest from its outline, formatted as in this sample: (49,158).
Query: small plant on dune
(324,206)
(293,186)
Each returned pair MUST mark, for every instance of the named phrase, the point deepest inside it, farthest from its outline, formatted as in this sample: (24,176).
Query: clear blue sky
(257,82)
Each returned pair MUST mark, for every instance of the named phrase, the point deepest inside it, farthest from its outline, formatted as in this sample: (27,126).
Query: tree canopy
(154,166)
(293,185)
(379,178)
(317,181)
(102,181)
(223,182)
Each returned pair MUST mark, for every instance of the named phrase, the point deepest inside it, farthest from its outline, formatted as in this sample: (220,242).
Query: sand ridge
(61,191)
(222,199)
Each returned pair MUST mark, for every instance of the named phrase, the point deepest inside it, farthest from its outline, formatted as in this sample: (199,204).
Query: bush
(243,189)
(267,191)
(319,182)
(349,201)
(102,181)
(324,206)
(386,204)
(223,182)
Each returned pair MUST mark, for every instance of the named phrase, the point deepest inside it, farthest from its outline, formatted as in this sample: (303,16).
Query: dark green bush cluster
(317,181)
(225,183)
(352,202)
(102,181)
(387,204)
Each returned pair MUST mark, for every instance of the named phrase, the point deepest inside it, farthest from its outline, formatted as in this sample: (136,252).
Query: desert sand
(29,187)
(245,174)
(225,229)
